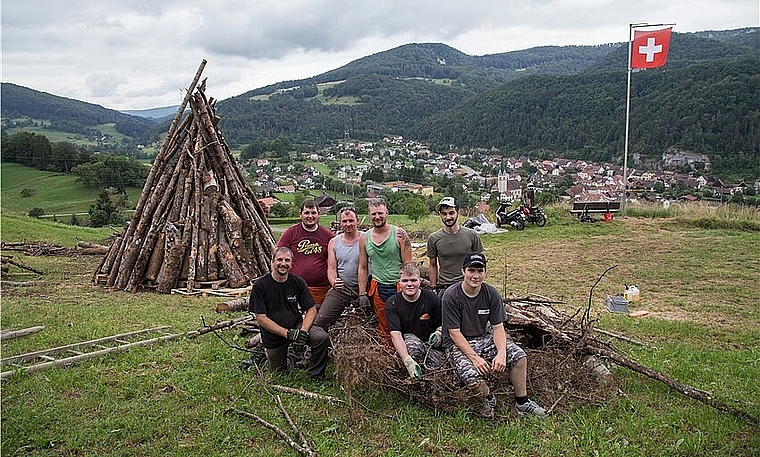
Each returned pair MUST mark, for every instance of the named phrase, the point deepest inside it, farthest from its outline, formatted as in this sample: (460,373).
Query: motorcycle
(514,218)
(534,214)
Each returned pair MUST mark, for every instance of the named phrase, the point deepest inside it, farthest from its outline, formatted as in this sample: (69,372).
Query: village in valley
(484,174)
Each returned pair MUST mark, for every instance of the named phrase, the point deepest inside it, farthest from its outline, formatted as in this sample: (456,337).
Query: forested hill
(439,61)
(564,101)
(708,107)
(66,114)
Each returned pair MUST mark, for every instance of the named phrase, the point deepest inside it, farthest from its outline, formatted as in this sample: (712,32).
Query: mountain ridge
(408,89)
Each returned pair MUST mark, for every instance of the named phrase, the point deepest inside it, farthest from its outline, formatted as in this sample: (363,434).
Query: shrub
(27,192)
(36,212)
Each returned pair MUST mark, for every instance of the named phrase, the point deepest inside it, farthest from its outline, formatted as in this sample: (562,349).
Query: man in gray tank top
(342,270)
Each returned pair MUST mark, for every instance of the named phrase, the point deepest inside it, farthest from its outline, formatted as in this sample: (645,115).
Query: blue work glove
(415,371)
(302,338)
(435,339)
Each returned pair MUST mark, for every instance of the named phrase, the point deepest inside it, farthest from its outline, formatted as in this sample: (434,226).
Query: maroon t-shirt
(309,252)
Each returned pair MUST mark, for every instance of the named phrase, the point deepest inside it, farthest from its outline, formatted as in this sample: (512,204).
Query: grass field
(699,284)
(57,136)
(56,193)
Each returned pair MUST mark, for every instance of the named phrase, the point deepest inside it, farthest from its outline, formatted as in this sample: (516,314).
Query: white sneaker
(530,407)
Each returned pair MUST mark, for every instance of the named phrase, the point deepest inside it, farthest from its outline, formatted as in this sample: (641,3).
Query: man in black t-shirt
(414,321)
(285,311)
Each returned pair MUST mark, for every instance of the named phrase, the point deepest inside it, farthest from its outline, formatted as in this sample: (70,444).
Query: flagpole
(627,119)
(628,110)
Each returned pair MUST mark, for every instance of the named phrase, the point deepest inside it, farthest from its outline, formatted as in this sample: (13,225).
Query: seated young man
(285,311)
(475,337)
(414,320)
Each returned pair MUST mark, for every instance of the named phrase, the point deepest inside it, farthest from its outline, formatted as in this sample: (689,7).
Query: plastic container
(617,304)
(631,293)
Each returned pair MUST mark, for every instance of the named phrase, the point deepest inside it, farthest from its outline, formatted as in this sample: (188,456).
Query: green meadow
(697,270)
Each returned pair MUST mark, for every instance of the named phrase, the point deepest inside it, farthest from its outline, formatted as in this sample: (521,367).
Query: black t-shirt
(283,302)
(421,317)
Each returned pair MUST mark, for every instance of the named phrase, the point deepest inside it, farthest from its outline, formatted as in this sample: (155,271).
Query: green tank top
(385,258)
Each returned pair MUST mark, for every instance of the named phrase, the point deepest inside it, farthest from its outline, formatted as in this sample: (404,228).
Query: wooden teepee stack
(197,221)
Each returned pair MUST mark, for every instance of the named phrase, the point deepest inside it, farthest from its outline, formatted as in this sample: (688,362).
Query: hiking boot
(319,377)
(530,407)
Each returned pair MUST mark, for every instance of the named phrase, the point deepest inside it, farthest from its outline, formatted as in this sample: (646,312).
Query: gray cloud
(131,54)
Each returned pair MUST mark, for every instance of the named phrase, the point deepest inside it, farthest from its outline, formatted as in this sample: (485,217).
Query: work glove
(293,334)
(435,339)
(364,304)
(302,338)
(415,371)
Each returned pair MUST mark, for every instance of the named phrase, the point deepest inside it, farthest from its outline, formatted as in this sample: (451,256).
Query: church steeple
(502,179)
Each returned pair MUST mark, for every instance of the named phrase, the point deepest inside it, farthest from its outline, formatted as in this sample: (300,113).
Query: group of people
(316,275)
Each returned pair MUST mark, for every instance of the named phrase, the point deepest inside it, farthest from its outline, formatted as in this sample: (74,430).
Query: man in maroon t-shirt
(308,240)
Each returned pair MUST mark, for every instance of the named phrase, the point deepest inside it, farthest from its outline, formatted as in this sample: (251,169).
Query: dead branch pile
(197,221)
(554,342)
(37,249)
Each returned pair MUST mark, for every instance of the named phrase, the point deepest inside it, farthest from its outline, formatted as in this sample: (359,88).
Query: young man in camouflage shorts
(475,338)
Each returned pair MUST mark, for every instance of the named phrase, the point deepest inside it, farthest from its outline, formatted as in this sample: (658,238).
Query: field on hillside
(57,136)
(173,398)
(56,193)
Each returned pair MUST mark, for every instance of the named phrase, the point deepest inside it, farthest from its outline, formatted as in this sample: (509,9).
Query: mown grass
(169,399)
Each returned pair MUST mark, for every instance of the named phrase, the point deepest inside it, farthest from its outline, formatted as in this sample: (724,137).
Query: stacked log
(197,220)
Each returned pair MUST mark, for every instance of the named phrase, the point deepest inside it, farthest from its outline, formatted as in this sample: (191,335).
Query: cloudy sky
(137,54)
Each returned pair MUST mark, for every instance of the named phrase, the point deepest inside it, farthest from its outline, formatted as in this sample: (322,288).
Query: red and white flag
(650,48)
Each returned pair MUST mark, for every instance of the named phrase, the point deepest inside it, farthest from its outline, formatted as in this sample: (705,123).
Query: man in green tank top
(386,248)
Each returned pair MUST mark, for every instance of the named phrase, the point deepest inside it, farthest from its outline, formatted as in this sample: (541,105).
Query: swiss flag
(650,48)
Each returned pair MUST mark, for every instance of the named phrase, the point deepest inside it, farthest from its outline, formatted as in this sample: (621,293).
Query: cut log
(230,266)
(237,304)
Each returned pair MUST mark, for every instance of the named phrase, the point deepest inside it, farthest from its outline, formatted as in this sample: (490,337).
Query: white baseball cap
(446,201)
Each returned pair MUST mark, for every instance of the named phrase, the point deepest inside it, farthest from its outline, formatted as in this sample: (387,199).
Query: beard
(449,223)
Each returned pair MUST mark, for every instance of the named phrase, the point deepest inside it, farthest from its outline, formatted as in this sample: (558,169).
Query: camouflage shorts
(428,358)
(484,347)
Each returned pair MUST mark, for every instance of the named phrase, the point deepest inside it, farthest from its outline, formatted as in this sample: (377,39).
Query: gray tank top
(347,261)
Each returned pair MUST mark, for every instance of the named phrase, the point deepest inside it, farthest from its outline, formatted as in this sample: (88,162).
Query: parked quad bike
(513,218)
(534,214)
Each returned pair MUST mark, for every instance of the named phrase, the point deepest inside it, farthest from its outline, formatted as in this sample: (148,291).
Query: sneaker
(487,412)
(530,407)
(489,407)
